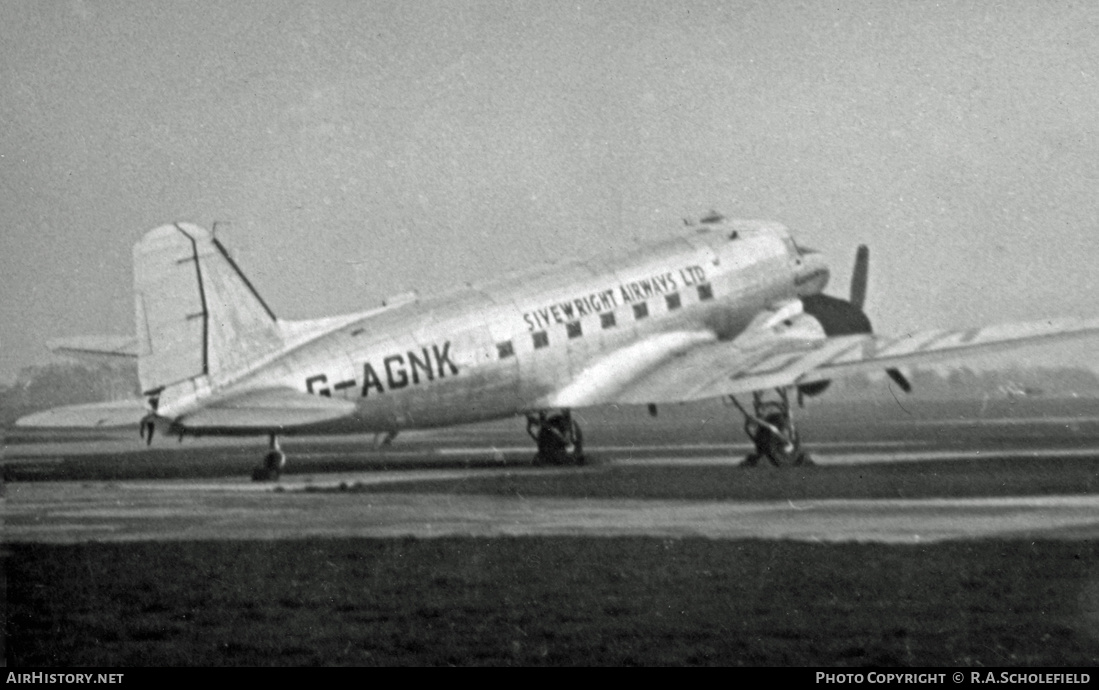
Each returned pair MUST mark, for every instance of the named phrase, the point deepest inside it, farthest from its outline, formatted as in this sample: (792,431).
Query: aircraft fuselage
(510,346)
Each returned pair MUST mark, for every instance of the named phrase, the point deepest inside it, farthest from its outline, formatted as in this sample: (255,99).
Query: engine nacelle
(837,317)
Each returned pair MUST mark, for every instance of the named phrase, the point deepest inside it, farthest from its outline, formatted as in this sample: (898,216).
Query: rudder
(196,313)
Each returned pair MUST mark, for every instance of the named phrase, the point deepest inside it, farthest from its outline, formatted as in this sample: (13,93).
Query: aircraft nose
(812,272)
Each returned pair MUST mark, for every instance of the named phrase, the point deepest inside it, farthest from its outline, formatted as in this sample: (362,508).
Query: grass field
(570,600)
(620,601)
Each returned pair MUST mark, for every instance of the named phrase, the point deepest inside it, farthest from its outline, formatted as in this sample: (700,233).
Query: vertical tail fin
(196,313)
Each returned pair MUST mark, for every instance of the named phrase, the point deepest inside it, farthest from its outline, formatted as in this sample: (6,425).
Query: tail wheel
(273,462)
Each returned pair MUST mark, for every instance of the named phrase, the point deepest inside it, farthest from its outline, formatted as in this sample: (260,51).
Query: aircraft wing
(786,352)
(835,357)
(267,409)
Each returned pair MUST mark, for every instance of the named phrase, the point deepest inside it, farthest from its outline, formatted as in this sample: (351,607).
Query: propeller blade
(859,276)
(899,379)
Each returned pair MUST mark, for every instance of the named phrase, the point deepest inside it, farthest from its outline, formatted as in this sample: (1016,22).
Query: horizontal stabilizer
(98,348)
(268,409)
(105,415)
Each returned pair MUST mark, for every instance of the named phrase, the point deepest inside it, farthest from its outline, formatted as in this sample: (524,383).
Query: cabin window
(607,319)
(672,300)
(705,292)
(505,349)
(540,340)
(640,311)
(573,329)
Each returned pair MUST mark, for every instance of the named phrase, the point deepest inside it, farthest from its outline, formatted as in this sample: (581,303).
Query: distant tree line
(65,383)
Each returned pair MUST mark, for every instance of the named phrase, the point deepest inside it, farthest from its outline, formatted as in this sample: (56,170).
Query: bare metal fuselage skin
(515,345)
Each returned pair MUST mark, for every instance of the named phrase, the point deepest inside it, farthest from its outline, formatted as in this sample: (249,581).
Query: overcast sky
(350,151)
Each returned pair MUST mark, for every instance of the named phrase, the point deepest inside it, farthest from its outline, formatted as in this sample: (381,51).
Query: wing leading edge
(795,351)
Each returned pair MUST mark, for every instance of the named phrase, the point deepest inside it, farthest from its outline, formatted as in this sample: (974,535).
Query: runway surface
(299,506)
(978,538)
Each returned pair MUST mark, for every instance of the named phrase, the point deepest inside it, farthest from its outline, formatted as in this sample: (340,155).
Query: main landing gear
(558,436)
(771,428)
(273,462)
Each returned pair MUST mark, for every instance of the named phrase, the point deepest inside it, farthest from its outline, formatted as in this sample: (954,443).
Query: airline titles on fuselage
(412,368)
(609,299)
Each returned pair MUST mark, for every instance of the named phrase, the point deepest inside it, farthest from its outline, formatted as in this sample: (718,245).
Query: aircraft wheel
(780,457)
(773,447)
(549,457)
(551,445)
(560,441)
(766,446)
(795,457)
(273,463)
(557,457)
(577,451)
(275,460)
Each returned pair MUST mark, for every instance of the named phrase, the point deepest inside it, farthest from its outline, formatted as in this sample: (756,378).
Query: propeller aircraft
(727,309)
